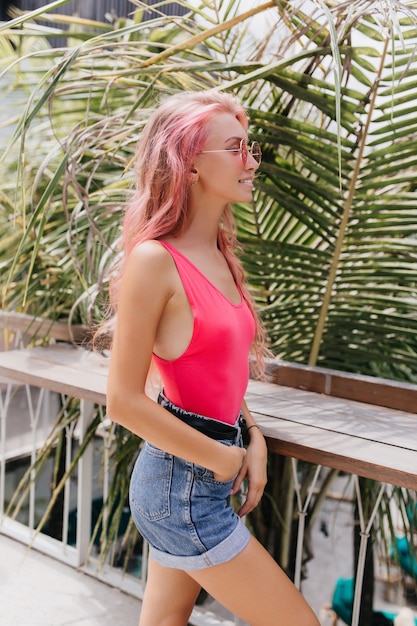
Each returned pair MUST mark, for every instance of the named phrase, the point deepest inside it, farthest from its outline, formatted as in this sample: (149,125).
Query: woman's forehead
(225,126)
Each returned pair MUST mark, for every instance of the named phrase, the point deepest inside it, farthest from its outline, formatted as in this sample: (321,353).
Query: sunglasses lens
(256,151)
(244,152)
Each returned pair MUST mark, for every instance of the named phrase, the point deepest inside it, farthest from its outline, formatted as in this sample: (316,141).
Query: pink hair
(176,132)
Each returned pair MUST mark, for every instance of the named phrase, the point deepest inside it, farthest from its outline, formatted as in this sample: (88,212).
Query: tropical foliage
(329,243)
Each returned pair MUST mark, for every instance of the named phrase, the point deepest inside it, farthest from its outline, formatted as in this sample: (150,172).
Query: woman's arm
(253,467)
(147,286)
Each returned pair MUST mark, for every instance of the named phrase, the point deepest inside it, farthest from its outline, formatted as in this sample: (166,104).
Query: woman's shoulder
(150,270)
(151,252)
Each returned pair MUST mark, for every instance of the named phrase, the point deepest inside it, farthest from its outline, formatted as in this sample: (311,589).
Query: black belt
(210,427)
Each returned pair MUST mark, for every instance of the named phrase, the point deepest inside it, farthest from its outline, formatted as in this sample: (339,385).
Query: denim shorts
(182,511)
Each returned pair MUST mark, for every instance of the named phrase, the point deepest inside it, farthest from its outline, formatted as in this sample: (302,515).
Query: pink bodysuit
(211,376)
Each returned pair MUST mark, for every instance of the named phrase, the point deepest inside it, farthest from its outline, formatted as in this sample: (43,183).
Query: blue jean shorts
(183,512)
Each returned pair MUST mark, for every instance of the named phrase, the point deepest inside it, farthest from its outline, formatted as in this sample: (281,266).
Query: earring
(193,184)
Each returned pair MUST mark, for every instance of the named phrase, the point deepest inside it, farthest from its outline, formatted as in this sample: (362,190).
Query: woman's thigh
(169,598)
(253,587)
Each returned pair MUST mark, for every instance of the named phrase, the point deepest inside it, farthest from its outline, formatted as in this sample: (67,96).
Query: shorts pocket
(150,484)
(207,476)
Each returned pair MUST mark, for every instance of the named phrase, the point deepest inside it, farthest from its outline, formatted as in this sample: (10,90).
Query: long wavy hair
(173,136)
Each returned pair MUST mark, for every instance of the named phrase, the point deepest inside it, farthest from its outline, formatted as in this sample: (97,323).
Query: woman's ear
(194,177)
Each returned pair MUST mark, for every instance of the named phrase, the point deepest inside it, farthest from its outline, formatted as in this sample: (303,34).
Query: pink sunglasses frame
(254,150)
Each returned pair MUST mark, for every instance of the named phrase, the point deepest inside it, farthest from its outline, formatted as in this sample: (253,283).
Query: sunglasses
(254,150)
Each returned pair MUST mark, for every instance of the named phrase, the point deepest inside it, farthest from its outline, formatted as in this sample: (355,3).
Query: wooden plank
(337,415)
(38,327)
(394,394)
(299,377)
(376,442)
(373,390)
(61,368)
(369,460)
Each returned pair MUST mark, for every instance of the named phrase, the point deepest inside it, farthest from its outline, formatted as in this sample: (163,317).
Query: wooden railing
(361,425)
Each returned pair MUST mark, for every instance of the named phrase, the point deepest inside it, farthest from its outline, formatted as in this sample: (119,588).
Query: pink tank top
(211,376)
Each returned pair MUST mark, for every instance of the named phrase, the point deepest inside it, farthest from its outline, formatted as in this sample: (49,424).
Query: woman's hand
(254,469)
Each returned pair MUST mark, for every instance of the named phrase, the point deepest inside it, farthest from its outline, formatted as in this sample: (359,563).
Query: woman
(183,308)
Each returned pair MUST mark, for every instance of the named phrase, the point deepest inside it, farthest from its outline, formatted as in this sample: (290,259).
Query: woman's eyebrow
(234,139)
